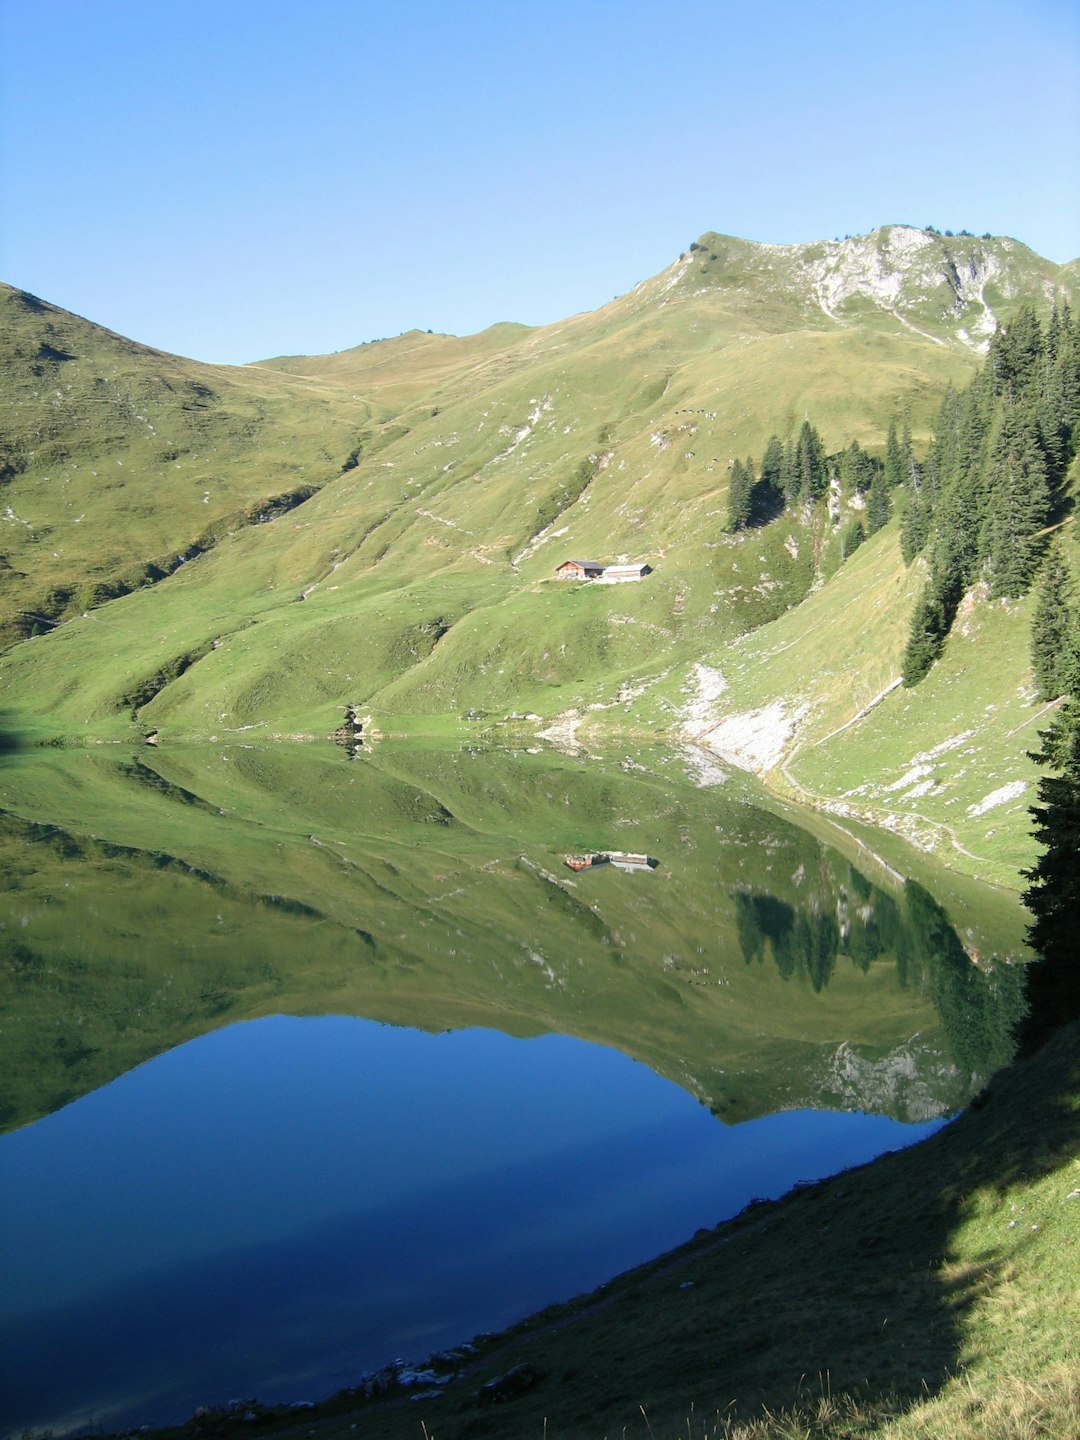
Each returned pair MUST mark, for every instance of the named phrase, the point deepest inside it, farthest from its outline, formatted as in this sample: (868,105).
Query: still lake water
(203,1197)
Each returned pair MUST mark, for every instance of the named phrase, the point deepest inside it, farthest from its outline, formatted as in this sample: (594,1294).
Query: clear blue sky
(230,179)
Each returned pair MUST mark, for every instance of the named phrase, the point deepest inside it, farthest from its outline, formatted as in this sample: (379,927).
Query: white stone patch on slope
(913,776)
(908,264)
(1001,796)
(562,731)
(675,273)
(755,740)
(540,538)
(704,770)
(532,420)
(917,329)
(925,787)
(707,685)
(861,267)
(942,748)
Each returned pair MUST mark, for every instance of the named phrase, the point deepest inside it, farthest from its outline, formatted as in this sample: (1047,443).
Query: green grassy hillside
(449,478)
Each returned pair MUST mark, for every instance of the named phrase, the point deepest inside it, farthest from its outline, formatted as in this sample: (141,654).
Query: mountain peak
(952,289)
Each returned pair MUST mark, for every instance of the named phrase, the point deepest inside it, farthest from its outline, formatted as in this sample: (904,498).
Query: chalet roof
(585,564)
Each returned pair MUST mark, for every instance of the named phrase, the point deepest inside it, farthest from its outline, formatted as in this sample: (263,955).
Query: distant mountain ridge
(204,550)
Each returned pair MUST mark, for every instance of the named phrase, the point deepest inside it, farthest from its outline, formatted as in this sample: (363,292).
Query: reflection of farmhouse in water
(621,859)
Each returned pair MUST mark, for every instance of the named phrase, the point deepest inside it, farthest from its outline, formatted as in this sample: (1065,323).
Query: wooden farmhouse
(608,574)
(579,570)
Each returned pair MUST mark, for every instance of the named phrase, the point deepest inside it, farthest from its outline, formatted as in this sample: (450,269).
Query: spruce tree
(1053,894)
(1015,352)
(789,473)
(772,465)
(857,470)
(1054,629)
(1018,502)
(810,463)
(851,537)
(894,459)
(926,636)
(738,506)
(878,507)
(914,526)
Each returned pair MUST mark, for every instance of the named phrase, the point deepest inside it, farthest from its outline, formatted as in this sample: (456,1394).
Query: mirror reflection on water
(515,1077)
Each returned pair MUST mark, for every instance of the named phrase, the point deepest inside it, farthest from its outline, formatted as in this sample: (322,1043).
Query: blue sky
(232,180)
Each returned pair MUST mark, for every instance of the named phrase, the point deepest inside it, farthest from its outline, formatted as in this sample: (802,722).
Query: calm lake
(314,1063)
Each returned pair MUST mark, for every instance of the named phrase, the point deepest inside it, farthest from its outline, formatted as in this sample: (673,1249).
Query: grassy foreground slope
(452,476)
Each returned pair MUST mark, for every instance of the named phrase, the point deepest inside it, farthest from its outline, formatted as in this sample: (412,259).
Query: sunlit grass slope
(115,458)
(451,477)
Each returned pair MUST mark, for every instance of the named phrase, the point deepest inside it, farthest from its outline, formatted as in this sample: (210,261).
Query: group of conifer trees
(799,472)
(978,507)
(988,505)
(981,505)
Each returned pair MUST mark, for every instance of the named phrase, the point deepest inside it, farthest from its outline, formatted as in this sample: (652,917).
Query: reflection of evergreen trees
(979,1007)
(860,922)
(802,942)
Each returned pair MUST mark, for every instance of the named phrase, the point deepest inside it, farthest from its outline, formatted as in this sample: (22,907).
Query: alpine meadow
(796,520)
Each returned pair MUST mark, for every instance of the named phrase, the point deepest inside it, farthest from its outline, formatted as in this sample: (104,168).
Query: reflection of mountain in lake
(149,900)
(848,918)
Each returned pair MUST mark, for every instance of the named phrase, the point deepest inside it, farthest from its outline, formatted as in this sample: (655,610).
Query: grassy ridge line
(933,1293)
(115,455)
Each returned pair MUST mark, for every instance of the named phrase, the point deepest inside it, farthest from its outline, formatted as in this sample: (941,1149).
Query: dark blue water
(282,1206)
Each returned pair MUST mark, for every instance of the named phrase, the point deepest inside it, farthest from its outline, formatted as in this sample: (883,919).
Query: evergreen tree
(1018,502)
(810,463)
(878,507)
(851,537)
(941,460)
(894,459)
(789,473)
(914,525)
(1059,398)
(912,473)
(1053,895)
(772,465)
(926,637)
(857,470)
(767,496)
(1055,644)
(740,482)
(1015,352)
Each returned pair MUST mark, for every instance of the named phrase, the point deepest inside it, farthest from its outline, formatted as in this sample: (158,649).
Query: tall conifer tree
(1055,641)
(1053,894)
